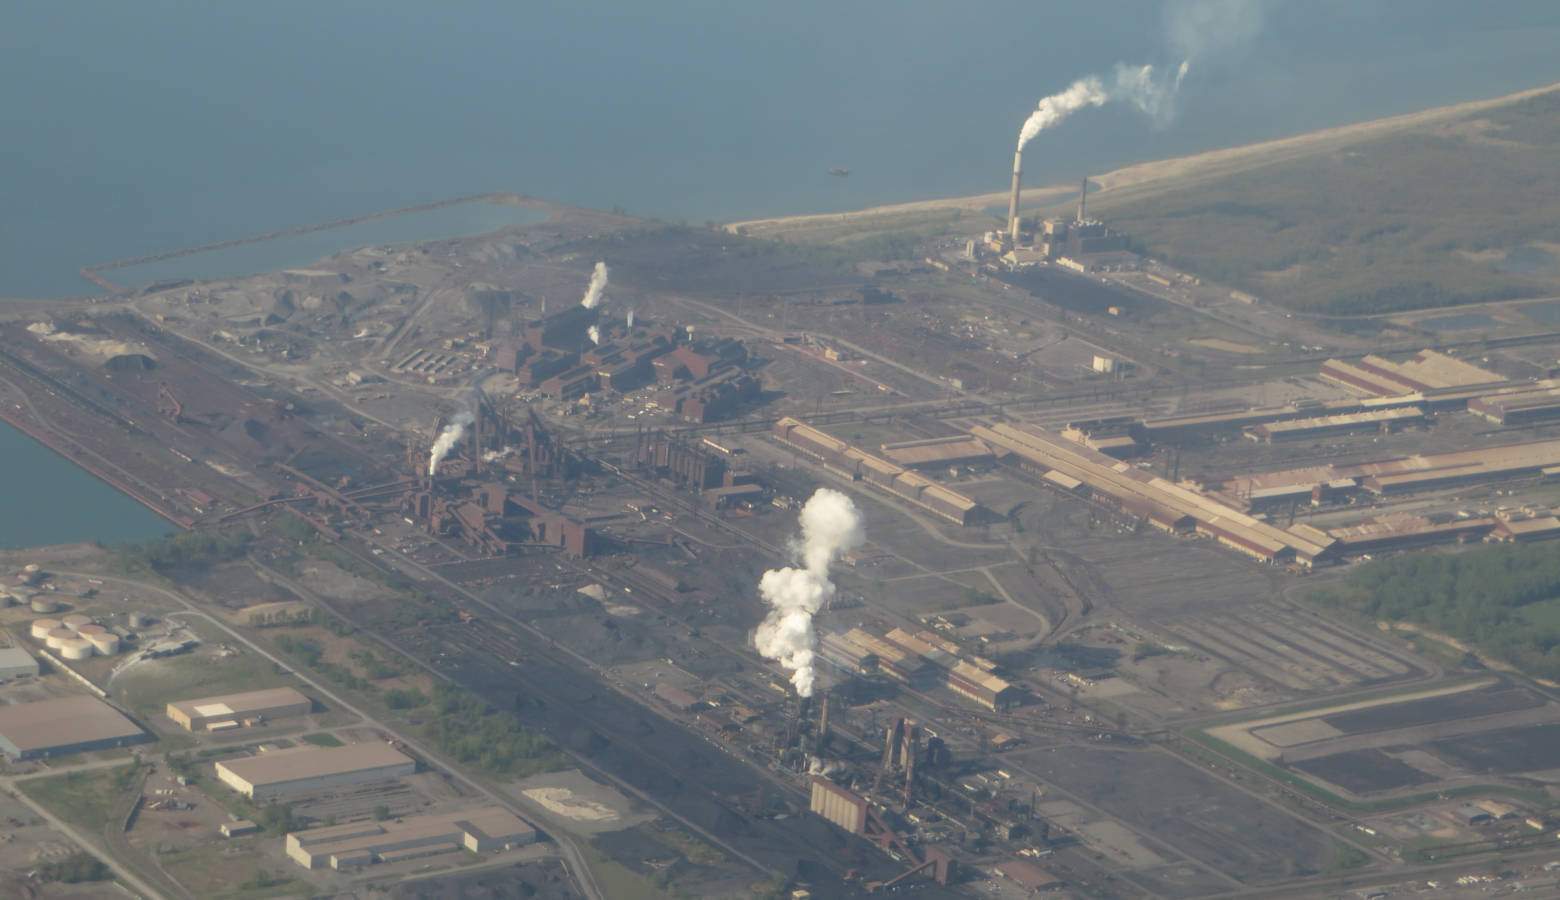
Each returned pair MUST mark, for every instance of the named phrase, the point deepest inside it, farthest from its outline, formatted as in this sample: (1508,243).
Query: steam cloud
(831,526)
(1194,29)
(594,334)
(496,455)
(1083,92)
(1142,86)
(598,283)
(448,438)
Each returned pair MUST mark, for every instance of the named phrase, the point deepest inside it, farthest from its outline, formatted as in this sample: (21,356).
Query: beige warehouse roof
(239,704)
(313,762)
(62,722)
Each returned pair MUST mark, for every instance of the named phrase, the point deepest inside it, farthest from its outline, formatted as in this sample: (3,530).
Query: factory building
(988,690)
(845,655)
(893,660)
(1166,504)
(1428,372)
(17,663)
(233,710)
(1384,421)
(1519,408)
(1396,532)
(938,453)
(1398,475)
(364,843)
(64,725)
(1182,427)
(862,466)
(838,805)
(306,770)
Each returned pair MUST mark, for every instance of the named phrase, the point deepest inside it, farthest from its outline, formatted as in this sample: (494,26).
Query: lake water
(150,126)
(139,128)
(46,499)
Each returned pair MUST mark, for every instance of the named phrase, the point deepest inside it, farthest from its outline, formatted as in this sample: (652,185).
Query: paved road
(125,875)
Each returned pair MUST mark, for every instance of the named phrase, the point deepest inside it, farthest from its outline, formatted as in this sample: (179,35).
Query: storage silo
(42,627)
(104,642)
(75,648)
(54,639)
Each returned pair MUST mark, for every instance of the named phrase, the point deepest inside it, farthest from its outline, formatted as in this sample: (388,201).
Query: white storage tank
(42,627)
(75,621)
(103,642)
(58,636)
(42,604)
(138,620)
(76,648)
(90,629)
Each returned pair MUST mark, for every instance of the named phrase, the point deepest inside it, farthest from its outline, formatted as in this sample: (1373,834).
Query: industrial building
(1165,504)
(1380,420)
(364,843)
(233,710)
(1396,476)
(64,725)
(937,453)
(306,770)
(863,466)
(1427,371)
(1519,408)
(1028,876)
(17,663)
(842,807)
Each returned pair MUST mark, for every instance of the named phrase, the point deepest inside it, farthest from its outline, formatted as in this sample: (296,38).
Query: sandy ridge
(1227,159)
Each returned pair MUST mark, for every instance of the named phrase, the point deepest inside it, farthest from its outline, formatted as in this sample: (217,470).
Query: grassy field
(1420,218)
(149,687)
(83,798)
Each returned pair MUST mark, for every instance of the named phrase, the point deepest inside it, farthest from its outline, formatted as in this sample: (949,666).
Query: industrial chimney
(1018,167)
(1083,194)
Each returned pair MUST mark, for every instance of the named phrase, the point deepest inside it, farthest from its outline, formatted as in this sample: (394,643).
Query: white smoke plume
(496,455)
(448,438)
(1199,29)
(594,334)
(1083,92)
(1153,94)
(630,319)
(598,283)
(831,526)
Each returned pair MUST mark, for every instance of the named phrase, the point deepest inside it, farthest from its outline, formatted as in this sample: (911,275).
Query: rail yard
(1072,648)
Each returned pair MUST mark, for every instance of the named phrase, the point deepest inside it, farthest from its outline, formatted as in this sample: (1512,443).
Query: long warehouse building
(863,466)
(64,725)
(307,770)
(232,710)
(1168,505)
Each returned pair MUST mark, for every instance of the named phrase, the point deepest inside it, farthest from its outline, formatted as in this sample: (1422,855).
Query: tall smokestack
(1018,169)
(1083,194)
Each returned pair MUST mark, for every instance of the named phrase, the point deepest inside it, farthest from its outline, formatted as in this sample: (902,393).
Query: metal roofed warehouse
(306,770)
(211,712)
(64,725)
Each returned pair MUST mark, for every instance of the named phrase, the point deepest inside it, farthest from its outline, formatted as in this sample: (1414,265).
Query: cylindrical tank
(103,642)
(42,627)
(89,629)
(42,604)
(74,621)
(76,648)
(138,619)
(57,637)
(31,569)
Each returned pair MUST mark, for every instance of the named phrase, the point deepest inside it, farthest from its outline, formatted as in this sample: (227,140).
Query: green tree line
(1504,598)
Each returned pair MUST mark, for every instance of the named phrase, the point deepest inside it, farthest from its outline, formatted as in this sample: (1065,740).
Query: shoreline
(1209,162)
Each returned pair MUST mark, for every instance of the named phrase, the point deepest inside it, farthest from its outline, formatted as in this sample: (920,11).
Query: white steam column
(831,527)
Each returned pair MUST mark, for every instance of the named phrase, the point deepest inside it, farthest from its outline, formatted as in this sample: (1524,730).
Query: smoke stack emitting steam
(598,283)
(1156,98)
(831,526)
(594,333)
(448,438)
